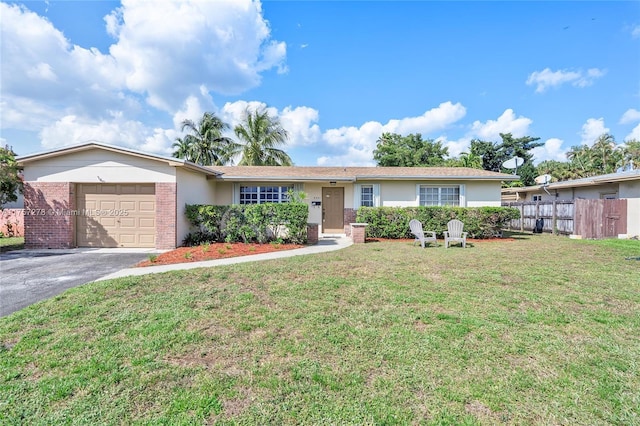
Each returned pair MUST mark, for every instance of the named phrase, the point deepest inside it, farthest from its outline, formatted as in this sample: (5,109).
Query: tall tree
(580,159)
(631,150)
(490,154)
(10,179)
(520,147)
(260,138)
(604,155)
(205,143)
(394,150)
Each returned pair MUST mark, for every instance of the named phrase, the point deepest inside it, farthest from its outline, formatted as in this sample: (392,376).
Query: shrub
(247,223)
(393,222)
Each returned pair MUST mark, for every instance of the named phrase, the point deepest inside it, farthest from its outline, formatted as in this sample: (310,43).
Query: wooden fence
(558,216)
(587,218)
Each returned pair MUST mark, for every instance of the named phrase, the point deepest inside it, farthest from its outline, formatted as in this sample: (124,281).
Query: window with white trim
(264,194)
(366,196)
(439,195)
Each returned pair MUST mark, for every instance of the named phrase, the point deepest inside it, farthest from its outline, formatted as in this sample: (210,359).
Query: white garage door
(116,215)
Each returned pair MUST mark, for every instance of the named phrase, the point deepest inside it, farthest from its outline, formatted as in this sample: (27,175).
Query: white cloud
(73,129)
(551,150)
(634,135)
(635,31)
(630,116)
(49,84)
(223,44)
(546,78)
(355,145)
(591,130)
(507,123)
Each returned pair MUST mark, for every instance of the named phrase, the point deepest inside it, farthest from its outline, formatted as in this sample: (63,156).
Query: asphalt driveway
(29,276)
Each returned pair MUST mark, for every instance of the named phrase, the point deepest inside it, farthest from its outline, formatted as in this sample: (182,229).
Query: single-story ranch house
(99,195)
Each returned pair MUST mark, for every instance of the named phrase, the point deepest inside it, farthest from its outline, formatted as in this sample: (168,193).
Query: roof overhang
(171,161)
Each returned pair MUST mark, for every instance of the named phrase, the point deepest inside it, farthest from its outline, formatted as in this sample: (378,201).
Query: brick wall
(349,218)
(48,223)
(166,215)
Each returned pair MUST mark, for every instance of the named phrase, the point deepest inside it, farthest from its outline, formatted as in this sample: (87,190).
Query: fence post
(522,217)
(554,220)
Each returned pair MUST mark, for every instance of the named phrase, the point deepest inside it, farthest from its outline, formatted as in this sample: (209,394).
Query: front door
(333,210)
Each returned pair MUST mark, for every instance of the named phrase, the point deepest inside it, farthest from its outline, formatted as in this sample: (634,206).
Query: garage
(115,215)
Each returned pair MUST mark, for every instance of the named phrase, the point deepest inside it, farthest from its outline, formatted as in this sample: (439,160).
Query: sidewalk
(325,244)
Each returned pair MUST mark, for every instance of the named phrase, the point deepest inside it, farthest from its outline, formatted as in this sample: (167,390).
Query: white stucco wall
(192,188)
(595,192)
(98,165)
(483,193)
(633,217)
(631,191)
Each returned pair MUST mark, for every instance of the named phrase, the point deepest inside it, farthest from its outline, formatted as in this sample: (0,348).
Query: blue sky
(338,74)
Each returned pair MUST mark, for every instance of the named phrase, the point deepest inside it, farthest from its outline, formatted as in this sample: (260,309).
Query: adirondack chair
(454,233)
(416,229)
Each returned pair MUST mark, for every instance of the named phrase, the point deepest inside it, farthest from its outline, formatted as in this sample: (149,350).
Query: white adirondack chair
(424,237)
(454,233)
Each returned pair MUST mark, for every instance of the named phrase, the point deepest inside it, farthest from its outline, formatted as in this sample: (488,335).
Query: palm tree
(205,144)
(182,149)
(580,158)
(604,155)
(469,159)
(260,136)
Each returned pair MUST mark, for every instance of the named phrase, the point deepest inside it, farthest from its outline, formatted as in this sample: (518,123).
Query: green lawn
(11,243)
(540,330)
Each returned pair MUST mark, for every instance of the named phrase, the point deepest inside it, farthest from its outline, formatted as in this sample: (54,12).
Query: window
(264,194)
(439,196)
(537,198)
(366,196)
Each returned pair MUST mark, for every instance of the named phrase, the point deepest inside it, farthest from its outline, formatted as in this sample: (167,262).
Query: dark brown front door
(333,210)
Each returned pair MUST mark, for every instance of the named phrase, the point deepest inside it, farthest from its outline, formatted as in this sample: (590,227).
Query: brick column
(358,231)
(349,218)
(49,219)
(312,233)
(166,220)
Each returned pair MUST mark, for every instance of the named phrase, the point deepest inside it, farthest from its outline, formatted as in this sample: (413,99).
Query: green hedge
(393,222)
(286,222)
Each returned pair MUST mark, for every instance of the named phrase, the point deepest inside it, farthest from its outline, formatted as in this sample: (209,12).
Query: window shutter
(417,194)
(235,196)
(376,195)
(298,187)
(357,195)
(463,197)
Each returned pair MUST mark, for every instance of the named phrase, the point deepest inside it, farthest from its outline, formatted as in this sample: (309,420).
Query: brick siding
(48,223)
(349,218)
(166,216)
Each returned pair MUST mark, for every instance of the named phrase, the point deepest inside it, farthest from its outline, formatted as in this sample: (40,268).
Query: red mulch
(215,251)
(224,250)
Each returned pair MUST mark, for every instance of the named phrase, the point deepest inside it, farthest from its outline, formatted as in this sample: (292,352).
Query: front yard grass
(539,330)
(11,243)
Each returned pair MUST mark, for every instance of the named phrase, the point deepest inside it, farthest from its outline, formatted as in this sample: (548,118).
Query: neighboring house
(623,185)
(98,195)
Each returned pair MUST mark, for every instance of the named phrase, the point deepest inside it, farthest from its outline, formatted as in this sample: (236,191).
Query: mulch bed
(214,251)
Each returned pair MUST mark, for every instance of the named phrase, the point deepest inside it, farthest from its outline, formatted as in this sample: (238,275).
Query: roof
(353,174)
(588,181)
(85,146)
(288,174)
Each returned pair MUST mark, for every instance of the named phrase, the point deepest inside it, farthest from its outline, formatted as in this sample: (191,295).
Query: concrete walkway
(325,244)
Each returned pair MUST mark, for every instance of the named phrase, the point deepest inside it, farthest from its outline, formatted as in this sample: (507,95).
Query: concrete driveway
(29,276)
